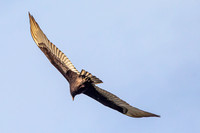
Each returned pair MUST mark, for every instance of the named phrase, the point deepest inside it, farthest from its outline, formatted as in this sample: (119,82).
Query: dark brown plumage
(81,82)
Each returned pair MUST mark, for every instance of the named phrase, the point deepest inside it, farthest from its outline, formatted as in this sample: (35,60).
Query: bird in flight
(81,82)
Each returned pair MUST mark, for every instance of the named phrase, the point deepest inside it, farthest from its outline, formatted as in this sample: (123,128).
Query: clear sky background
(146,52)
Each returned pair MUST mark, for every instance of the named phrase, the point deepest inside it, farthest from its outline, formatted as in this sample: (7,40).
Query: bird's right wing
(114,102)
(57,57)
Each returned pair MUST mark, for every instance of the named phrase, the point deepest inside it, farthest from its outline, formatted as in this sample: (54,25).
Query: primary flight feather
(81,82)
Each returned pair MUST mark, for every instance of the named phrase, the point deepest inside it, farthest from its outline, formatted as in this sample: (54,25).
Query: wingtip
(29,14)
(154,115)
(137,113)
(145,115)
(32,20)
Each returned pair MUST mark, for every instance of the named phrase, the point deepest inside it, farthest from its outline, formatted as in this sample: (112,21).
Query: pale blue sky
(146,52)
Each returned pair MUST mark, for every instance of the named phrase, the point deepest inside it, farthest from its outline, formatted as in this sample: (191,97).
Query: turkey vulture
(81,82)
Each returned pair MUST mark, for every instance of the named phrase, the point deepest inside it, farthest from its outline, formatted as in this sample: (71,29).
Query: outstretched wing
(112,101)
(57,57)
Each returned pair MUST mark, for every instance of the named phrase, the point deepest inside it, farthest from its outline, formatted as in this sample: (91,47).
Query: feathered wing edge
(40,38)
(114,102)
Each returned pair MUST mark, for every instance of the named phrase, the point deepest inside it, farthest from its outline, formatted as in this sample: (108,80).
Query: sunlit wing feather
(40,38)
(116,103)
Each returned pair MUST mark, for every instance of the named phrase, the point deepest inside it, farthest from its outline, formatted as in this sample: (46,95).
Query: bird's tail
(93,78)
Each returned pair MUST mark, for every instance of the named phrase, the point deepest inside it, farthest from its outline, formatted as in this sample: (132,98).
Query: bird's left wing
(57,57)
(114,102)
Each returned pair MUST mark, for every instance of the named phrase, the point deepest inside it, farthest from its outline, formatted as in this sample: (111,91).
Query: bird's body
(81,82)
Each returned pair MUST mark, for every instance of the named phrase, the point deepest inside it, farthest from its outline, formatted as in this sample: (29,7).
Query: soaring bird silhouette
(81,82)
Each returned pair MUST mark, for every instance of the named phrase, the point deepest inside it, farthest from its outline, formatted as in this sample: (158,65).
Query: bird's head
(78,86)
(76,90)
(73,94)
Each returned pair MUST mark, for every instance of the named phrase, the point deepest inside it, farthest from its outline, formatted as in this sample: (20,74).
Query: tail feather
(93,78)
